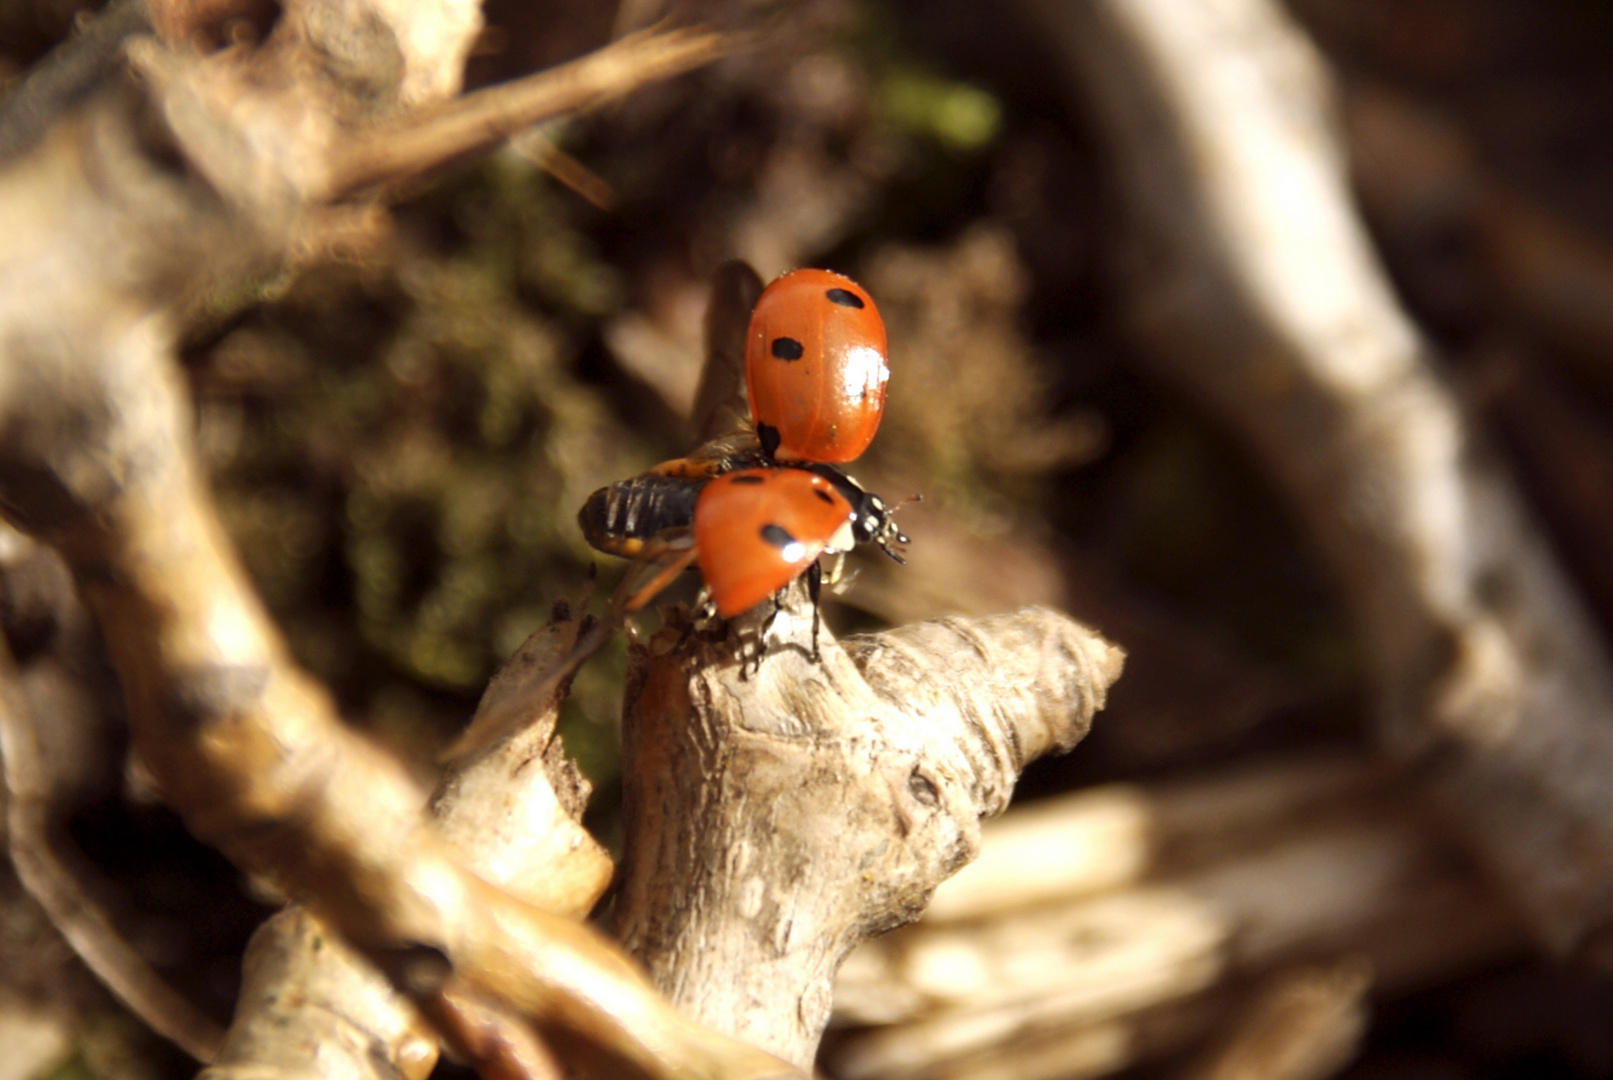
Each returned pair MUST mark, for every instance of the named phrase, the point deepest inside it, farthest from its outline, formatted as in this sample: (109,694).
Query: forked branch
(779,817)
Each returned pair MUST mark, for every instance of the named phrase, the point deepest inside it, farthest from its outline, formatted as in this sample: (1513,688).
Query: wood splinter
(778,816)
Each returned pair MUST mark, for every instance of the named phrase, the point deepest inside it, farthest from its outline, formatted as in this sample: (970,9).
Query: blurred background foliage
(399,442)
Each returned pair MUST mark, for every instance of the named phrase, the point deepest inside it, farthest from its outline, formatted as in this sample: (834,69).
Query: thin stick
(482,119)
(543,152)
(497,722)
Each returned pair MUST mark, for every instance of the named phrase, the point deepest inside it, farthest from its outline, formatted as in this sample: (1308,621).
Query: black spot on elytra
(776,535)
(824,495)
(787,348)
(748,480)
(844,298)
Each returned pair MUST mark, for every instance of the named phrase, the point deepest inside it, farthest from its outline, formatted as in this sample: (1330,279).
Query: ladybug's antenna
(889,537)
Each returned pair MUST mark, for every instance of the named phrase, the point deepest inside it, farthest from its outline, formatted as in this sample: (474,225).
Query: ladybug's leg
(705,609)
(890,536)
(684,635)
(814,581)
(767,624)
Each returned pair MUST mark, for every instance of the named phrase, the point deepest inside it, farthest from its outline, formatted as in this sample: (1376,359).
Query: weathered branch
(251,752)
(1254,287)
(313,1007)
(778,817)
(1163,902)
(106,242)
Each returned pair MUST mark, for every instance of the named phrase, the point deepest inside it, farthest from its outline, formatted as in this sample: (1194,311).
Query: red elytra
(815,367)
(757,530)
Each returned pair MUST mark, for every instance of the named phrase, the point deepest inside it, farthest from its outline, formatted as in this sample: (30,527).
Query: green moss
(401,448)
(961,117)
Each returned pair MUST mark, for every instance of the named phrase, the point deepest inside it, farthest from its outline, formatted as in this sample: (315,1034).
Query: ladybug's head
(870,517)
(871,521)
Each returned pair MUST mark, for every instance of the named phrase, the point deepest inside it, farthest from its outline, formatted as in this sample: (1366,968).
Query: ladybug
(750,531)
(757,530)
(815,368)
(814,364)
(652,514)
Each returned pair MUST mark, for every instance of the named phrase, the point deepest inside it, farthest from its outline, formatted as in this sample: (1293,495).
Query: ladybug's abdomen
(631,516)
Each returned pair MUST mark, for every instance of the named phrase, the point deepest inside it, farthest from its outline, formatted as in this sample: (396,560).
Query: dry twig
(480,121)
(312,1005)
(1162,903)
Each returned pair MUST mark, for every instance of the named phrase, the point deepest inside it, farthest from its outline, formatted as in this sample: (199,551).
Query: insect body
(757,530)
(654,512)
(815,368)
